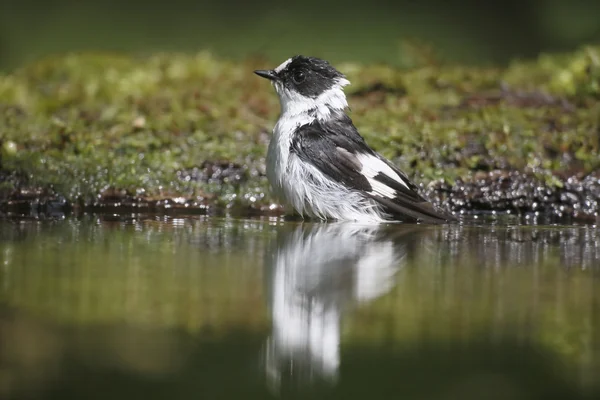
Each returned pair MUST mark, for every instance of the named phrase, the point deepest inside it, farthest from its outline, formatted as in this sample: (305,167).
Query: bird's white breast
(296,111)
(299,183)
(305,187)
(278,154)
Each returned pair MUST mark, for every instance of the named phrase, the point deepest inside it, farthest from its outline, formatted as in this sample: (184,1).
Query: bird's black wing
(336,148)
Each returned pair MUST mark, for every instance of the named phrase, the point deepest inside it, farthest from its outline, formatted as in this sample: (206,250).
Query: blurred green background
(470,31)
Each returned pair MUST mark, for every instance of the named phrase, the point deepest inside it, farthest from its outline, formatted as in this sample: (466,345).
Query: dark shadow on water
(228,368)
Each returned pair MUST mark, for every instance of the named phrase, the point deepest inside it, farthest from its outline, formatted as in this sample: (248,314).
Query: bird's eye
(298,77)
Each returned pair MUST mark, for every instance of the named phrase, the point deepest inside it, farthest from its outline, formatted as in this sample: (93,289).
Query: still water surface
(164,307)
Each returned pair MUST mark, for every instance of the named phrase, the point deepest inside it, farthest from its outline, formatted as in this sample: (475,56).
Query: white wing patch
(382,189)
(371,167)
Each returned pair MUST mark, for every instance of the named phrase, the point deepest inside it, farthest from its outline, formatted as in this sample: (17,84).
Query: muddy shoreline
(174,133)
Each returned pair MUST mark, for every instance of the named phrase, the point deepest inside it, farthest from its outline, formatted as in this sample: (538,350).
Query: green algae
(190,131)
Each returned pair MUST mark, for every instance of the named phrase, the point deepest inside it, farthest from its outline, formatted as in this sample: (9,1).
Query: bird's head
(306,84)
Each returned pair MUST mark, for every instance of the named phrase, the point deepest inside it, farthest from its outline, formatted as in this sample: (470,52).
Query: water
(165,307)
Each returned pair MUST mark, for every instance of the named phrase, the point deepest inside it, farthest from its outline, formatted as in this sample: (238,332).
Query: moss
(93,128)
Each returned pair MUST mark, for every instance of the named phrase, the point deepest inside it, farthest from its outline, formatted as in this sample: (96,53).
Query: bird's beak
(269,74)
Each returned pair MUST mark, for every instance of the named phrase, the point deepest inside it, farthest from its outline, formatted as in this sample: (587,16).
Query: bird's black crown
(309,76)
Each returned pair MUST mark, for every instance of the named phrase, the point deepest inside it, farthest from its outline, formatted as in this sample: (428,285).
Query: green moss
(81,124)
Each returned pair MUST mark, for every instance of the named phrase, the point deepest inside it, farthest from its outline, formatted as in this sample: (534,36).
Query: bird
(317,273)
(318,163)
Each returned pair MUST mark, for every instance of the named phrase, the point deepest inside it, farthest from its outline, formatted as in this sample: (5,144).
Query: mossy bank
(174,131)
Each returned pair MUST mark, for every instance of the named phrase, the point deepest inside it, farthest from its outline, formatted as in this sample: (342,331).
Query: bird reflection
(317,271)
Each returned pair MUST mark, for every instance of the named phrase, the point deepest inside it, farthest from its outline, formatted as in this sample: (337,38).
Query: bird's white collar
(293,103)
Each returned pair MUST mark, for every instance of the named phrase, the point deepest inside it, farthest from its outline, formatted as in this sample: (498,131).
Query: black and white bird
(318,272)
(319,164)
